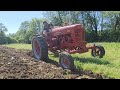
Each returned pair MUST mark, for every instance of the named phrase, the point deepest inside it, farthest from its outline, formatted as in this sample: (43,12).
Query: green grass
(109,65)
(19,46)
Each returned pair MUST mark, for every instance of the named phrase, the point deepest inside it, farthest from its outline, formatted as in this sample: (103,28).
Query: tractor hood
(66,27)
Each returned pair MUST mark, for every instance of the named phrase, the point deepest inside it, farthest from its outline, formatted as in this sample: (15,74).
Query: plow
(64,41)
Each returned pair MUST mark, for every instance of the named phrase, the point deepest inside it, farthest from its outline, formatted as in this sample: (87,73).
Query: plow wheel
(39,48)
(66,61)
(99,51)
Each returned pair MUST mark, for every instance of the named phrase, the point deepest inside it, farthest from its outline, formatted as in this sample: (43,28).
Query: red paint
(68,38)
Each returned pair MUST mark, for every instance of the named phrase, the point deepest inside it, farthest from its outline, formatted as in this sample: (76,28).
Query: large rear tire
(39,48)
(66,61)
(99,51)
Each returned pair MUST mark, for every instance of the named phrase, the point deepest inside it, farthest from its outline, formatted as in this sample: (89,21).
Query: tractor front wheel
(39,48)
(66,61)
(99,51)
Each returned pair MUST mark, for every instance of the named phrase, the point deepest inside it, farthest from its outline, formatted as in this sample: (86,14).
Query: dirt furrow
(19,64)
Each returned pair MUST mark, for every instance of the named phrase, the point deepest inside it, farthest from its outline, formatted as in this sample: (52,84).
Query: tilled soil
(20,64)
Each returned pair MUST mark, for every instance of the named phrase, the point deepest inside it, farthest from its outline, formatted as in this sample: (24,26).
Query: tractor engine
(67,37)
(61,39)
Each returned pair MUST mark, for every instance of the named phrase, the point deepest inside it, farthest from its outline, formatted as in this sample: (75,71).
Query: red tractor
(65,41)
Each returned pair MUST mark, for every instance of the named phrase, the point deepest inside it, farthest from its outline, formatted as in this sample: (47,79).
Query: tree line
(100,26)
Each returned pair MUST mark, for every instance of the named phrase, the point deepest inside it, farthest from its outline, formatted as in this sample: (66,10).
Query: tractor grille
(78,36)
(77,33)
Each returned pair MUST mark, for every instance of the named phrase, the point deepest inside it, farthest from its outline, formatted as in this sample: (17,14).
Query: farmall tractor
(65,41)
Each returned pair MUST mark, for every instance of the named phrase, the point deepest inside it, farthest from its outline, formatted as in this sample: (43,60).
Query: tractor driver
(47,28)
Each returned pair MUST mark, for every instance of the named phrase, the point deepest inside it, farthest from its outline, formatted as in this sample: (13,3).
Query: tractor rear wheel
(39,48)
(99,51)
(66,61)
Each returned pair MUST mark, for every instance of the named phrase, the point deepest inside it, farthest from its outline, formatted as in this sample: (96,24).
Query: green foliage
(24,26)
(3,29)
(27,30)
(10,40)
(100,26)
(20,46)
(5,39)
(2,38)
(58,18)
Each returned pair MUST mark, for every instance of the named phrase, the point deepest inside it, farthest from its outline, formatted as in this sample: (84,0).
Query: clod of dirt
(20,64)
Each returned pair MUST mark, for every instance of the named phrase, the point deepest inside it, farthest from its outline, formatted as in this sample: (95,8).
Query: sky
(13,19)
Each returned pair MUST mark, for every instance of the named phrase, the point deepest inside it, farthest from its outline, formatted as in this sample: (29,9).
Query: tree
(28,29)
(3,29)
(36,25)
(99,25)
(59,17)
(112,24)
(21,33)
(24,26)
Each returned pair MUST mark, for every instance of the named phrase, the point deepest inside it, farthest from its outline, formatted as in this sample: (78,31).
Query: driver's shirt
(47,27)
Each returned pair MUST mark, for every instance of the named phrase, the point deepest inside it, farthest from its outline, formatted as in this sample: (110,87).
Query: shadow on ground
(80,71)
(91,60)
